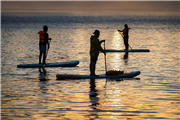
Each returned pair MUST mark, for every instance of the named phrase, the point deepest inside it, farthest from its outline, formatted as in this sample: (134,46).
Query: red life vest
(41,36)
(124,31)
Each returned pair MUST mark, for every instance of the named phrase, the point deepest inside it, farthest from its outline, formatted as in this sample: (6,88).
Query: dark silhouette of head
(45,28)
(96,33)
(126,26)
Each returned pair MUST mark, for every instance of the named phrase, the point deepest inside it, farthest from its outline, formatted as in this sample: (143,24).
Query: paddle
(130,47)
(123,37)
(105,58)
(105,65)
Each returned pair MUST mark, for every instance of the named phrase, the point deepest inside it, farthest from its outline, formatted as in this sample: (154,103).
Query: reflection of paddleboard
(60,64)
(71,76)
(130,50)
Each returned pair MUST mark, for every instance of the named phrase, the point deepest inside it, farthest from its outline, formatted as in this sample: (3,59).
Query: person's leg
(126,43)
(40,55)
(44,58)
(93,66)
(44,54)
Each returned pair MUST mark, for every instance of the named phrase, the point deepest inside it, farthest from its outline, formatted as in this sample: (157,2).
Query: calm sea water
(31,94)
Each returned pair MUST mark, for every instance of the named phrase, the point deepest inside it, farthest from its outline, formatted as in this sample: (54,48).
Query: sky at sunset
(90,7)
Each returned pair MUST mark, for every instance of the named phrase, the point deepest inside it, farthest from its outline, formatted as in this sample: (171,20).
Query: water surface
(32,94)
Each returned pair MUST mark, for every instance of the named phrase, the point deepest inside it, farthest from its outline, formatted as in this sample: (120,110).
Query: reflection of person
(93,93)
(126,58)
(95,48)
(126,55)
(125,35)
(43,41)
(42,74)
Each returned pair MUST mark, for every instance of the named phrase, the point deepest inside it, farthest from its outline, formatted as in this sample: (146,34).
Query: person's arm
(98,45)
(120,30)
(102,41)
(46,38)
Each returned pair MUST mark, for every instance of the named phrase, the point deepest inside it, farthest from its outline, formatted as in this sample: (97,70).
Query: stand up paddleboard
(60,64)
(130,50)
(71,76)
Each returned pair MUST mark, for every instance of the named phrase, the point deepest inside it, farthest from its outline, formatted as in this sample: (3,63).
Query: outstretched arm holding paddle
(43,42)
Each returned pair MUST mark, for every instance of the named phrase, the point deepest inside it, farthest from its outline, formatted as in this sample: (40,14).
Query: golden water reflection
(79,100)
(28,94)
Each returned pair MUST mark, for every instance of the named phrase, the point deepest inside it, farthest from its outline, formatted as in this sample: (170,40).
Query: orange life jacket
(124,31)
(41,36)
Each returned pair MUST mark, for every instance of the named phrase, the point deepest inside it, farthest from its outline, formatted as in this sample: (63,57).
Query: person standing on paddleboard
(125,36)
(43,42)
(95,48)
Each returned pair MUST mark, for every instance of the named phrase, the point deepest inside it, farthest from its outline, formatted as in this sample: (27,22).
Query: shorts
(94,59)
(42,48)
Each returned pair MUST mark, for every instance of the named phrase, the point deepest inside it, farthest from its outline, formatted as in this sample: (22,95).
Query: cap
(96,32)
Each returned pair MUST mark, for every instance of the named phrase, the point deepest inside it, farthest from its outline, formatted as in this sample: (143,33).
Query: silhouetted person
(95,48)
(125,36)
(43,42)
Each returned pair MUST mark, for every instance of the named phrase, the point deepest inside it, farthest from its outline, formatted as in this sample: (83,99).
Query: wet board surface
(59,64)
(71,76)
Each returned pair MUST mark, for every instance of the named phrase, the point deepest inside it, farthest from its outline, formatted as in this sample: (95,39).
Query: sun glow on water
(25,95)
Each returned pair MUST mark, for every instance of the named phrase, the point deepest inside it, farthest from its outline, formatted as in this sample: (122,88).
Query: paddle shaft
(105,58)
(105,65)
